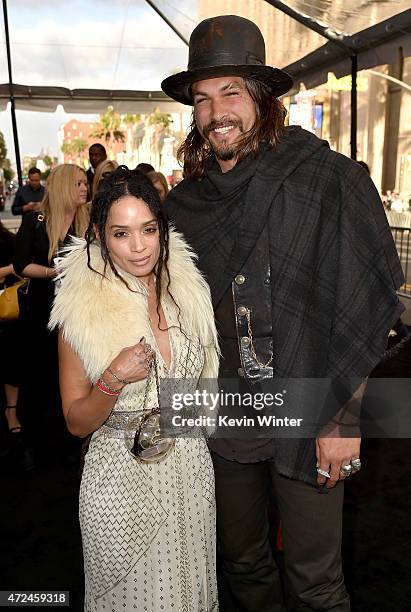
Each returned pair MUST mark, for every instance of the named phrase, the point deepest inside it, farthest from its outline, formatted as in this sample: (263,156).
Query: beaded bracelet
(120,380)
(107,386)
(104,388)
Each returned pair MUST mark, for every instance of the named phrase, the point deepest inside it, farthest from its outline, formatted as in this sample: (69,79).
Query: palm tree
(130,119)
(67,148)
(108,128)
(161,119)
(161,122)
(79,146)
(3,149)
(48,161)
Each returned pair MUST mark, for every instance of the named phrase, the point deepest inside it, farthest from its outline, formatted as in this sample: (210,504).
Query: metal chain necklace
(250,335)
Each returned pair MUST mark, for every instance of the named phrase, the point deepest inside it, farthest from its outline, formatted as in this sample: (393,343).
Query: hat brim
(177,86)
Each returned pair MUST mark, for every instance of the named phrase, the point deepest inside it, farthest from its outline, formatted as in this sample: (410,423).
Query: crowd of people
(100,166)
(257,265)
(51,215)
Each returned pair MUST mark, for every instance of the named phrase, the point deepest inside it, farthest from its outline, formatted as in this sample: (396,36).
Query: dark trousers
(311,526)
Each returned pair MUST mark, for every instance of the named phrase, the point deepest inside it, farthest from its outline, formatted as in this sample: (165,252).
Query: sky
(125,44)
(109,44)
(36,131)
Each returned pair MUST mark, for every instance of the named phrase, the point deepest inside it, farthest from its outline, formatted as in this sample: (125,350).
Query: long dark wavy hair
(118,184)
(194,152)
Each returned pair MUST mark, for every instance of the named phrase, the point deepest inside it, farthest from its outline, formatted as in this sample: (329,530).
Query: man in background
(30,195)
(96,154)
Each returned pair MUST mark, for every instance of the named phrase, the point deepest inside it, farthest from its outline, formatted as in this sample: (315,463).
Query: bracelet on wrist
(104,388)
(112,385)
(109,387)
(114,375)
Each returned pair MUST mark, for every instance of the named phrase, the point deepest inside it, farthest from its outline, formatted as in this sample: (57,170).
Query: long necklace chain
(250,335)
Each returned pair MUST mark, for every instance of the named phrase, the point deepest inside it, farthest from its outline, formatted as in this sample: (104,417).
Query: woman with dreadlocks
(147,508)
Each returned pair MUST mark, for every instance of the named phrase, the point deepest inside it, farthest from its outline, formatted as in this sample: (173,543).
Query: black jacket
(334,269)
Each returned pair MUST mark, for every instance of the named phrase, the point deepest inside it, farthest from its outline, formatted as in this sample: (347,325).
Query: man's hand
(28,207)
(339,440)
(31,206)
(332,454)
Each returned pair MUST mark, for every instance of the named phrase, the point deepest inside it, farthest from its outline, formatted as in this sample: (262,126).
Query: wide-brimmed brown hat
(225,46)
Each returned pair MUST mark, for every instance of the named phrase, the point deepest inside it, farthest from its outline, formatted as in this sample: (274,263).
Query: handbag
(9,302)
(148,445)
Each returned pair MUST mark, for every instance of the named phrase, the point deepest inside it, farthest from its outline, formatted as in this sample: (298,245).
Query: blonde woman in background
(64,212)
(103,169)
(159,181)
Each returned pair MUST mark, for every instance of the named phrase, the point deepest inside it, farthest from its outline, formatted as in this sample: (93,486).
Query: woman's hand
(5,271)
(85,406)
(51,272)
(131,365)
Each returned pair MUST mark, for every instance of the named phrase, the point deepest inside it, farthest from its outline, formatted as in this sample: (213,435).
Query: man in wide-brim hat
(294,242)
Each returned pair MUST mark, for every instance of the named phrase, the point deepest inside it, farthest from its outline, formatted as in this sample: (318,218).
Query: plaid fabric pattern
(334,266)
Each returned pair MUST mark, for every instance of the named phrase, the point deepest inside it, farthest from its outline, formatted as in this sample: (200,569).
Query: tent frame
(342,54)
(340,41)
(11,95)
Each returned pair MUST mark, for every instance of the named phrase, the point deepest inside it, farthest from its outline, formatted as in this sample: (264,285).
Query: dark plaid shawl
(334,267)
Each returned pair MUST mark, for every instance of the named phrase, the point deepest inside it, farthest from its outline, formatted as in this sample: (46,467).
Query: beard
(223,150)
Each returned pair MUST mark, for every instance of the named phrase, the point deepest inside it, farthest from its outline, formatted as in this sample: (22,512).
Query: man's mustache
(221,124)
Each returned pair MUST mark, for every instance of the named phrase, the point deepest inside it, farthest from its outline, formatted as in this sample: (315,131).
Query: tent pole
(168,22)
(354,70)
(343,42)
(11,90)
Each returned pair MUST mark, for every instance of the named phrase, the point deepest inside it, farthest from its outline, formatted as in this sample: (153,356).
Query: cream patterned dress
(148,529)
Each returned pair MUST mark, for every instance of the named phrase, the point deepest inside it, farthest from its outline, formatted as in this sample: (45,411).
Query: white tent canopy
(86,55)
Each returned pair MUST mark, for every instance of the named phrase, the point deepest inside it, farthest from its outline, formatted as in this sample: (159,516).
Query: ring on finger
(356,464)
(346,470)
(322,472)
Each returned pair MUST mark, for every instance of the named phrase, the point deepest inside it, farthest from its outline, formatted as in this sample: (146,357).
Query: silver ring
(323,473)
(356,464)
(346,470)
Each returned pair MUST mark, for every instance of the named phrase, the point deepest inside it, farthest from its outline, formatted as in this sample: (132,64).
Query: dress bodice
(187,361)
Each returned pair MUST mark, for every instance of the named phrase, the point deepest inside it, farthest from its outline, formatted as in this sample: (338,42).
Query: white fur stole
(100,316)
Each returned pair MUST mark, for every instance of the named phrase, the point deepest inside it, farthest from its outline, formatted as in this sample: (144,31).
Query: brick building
(80,130)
